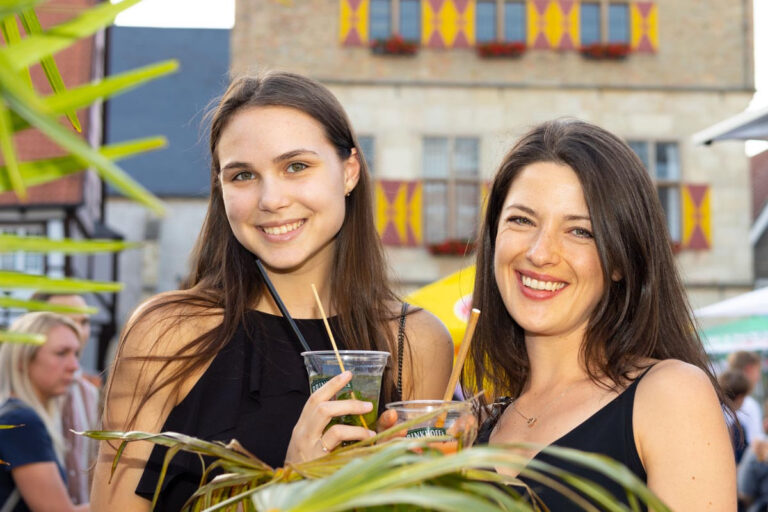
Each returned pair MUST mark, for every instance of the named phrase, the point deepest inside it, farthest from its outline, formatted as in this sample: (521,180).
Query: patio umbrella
(748,334)
(747,304)
(449,299)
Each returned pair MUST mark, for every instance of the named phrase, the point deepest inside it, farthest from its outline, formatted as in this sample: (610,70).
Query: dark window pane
(670,201)
(590,23)
(667,161)
(618,23)
(436,163)
(485,22)
(380,19)
(435,212)
(367,148)
(410,19)
(514,21)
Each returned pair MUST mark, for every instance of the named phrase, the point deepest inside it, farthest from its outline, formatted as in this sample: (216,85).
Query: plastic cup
(454,429)
(367,367)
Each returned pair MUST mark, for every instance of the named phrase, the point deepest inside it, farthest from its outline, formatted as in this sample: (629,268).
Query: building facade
(438,90)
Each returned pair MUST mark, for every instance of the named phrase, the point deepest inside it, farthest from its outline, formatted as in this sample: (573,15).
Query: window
(662,160)
(28,262)
(367,147)
(499,20)
(451,188)
(389,17)
(485,21)
(381,18)
(604,22)
(514,21)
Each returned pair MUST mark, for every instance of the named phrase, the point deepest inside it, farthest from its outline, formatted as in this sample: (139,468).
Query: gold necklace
(531,420)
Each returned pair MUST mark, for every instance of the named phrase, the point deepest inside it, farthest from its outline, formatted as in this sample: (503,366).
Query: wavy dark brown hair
(645,314)
(223,273)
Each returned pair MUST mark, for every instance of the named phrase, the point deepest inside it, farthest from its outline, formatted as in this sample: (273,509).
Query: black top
(608,432)
(253,391)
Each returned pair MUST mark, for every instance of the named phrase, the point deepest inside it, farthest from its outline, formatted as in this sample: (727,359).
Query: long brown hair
(645,314)
(223,273)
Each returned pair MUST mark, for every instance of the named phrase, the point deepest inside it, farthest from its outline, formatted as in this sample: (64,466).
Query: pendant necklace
(530,421)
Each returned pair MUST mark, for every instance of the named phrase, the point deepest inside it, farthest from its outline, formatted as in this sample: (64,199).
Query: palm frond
(17,280)
(13,243)
(19,337)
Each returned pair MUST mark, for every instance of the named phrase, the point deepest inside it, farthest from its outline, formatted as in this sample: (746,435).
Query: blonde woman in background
(33,378)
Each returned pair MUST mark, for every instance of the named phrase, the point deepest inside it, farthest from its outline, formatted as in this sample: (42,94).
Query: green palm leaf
(12,35)
(18,337)
(17,280)
(32,27)
(10,7)
(12,243)
(9,154)
(34,48)
(88,156)
(36,305)
(42,171)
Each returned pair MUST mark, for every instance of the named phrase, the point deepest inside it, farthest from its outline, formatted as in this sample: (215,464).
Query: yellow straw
(463,351)
(333,342)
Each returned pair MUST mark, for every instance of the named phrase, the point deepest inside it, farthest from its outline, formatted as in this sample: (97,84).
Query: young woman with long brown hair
(586,325)
(289,185)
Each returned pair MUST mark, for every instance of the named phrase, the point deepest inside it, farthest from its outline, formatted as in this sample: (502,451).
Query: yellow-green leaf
(12,35)
(35,47)
(32,26)
(21,337)
(9,7)
(42,171)
(108,171)
(9,154)
(36,305)
(12,243)
(17,280)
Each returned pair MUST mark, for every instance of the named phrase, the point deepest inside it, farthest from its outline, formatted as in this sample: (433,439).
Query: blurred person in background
(750,413)
(81,407)
(753,478)
(736,387)
(33,380)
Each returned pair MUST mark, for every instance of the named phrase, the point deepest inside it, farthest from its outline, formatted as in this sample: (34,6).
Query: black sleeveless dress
(253,391)
(609,432)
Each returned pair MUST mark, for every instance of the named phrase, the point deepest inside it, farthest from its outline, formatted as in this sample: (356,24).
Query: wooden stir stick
(335,348)
(463,351)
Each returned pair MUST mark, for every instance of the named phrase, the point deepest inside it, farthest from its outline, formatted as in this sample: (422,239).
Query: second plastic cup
(367,367)
(453,430)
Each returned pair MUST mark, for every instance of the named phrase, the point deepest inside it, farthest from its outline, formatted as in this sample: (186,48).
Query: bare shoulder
(675,381)
(174,316)
(424,328)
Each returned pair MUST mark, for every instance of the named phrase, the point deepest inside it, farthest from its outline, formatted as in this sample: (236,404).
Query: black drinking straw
(281,306)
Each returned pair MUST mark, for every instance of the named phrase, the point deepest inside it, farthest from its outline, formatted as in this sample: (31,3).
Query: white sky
(221,14)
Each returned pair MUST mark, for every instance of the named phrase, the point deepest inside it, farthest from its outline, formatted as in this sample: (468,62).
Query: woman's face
(283,186)
(53,367)
(546,262)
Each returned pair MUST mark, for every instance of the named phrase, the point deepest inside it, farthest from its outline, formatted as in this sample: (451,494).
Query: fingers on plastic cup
(367,367)
(454,429)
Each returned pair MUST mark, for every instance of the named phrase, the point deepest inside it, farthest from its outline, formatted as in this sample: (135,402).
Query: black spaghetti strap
(400,345)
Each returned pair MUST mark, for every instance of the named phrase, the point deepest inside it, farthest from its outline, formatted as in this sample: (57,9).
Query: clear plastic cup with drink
(367,367)
(451,430)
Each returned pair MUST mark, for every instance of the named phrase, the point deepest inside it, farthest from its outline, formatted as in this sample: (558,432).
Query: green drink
(367,367)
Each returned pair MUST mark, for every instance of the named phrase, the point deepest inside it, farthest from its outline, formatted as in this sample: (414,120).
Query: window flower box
(394,45)
(501,49)
(452,247)
(609,51)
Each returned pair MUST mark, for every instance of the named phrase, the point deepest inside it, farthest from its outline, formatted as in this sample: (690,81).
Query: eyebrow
(531,211)
(279,158)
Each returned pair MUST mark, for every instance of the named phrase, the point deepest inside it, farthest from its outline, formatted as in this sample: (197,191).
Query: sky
(221,14)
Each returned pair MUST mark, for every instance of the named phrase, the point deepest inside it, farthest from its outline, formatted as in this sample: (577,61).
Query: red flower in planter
(605,51)
(501,49)
(452,247)
(394,45)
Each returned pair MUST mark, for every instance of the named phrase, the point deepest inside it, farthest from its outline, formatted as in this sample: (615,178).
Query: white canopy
(748,125)
(747,304)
